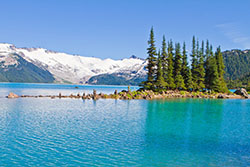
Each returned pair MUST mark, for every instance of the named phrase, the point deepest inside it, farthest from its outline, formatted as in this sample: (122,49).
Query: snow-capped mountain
(71,68)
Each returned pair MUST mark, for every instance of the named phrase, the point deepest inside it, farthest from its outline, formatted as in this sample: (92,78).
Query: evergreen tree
(185,68)
(212,73)
(197,50)
(171,71)
(202,49)
(207,55)
(194,64)
(189,83)
(221,72)
(164,58)
(207,50)
(170,79)
(160,82)
(200,68)
(151,62)
(179,81)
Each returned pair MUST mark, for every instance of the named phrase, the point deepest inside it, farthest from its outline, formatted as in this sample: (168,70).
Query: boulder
(242,92)
(221,96)
(12,95)
(148,97)
(101,95)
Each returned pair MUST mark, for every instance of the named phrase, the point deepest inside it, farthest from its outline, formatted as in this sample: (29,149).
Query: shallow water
(106,132)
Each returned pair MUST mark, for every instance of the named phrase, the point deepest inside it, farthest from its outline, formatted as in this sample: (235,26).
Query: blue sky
(120,28)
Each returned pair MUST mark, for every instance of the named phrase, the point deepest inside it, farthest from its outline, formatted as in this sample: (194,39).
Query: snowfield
(74,68)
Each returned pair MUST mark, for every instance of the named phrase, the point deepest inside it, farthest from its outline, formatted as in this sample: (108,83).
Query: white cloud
(233,33)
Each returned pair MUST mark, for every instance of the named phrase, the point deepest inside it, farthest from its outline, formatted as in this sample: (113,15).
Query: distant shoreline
(77,84)
(130,95)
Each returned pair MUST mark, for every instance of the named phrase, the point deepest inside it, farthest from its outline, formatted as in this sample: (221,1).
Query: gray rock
(242,92)
(12,95)
(220,96)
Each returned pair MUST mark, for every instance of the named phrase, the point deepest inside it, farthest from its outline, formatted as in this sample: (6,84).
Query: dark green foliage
(160,82)
(185,71)
(179,82)
(208,66)
(212,74)
(170,79)
(207,51)
(220,62)
(173,72)
(237,63)
(189,83)
(244,82)
(194,64)
(25,72)
(164,58)
(221,71)
(151,61)
(114,79)
(200,68)
(233,84)
(207,55)
(248,84)
(237,67)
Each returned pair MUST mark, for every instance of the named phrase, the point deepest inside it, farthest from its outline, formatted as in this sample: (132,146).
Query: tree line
(168,68)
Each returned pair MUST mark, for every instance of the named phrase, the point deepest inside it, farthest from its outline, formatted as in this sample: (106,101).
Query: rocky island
(145,94)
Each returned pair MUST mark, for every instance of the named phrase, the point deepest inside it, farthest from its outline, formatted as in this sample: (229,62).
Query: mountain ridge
(74,68)
(57,67)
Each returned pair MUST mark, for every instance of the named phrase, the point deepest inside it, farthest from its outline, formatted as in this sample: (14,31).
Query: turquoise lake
(107,132)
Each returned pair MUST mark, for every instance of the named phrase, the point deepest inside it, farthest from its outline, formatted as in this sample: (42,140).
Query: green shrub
(129,96)
(194,93)
(134,93)
(202,94)
(105,96)
(182,92)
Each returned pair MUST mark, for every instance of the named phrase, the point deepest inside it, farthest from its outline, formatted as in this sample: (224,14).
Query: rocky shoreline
(147,94)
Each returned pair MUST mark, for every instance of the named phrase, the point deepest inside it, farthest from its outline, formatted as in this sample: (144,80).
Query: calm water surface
(73,132)
(55,89)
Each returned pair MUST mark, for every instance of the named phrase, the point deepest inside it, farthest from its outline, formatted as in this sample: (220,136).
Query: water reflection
(55,89)
(183,126)
(108,132)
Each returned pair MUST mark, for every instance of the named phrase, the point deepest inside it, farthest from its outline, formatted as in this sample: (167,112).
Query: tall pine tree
(185,68)
(221,71)
(194,64)
(212,73)
(164,58)
(189,83)
(160,82)
(151,61)
(200,68)
(179,82)
(170,79)
(207,55)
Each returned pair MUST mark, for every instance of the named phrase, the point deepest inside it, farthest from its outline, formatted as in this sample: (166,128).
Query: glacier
(73,68)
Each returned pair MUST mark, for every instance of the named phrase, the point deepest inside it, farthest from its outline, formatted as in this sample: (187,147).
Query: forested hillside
(25,67)
(237,64)
(244,81)
(115,79)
